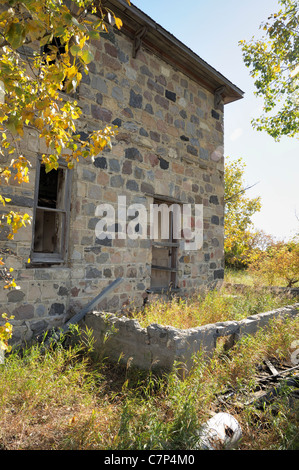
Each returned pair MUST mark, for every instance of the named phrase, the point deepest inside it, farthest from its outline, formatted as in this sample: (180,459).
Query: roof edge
(173,51)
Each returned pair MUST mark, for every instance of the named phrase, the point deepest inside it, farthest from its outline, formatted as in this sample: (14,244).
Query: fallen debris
(271,367)
(54,337)
(80,315)
(269,387)
(222,432)
(287,386)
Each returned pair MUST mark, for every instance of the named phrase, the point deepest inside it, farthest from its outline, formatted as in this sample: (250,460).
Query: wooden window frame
(173,247)
(43,258)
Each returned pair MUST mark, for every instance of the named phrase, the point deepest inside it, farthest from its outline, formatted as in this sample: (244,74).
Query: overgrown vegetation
(273,62)
(212,307)
(239,209)
(62,397)
(278,260)
(270,261)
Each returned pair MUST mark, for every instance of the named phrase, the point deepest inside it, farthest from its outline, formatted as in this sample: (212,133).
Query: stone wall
(120,339)
(169,142)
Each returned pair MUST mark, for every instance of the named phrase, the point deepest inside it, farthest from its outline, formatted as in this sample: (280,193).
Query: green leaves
(273,60)
(15,35)
(32,90)
(87,56)
(31,81)
(75,50)
(238,212)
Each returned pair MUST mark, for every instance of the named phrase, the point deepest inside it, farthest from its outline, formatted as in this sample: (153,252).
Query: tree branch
(240,192)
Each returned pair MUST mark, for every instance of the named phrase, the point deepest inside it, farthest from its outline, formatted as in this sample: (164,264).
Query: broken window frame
(57,257)
(173,246)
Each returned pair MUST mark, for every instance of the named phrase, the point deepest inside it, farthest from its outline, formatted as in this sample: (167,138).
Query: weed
(61,397)
(209,308)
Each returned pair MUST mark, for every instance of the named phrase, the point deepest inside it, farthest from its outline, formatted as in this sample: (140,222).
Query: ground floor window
(51,215)
(164,246)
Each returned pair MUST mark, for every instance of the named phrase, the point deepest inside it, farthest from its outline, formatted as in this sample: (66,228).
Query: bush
(278,260)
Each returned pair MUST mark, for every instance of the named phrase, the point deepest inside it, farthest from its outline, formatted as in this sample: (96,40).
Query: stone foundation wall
(159,347)
(169,142)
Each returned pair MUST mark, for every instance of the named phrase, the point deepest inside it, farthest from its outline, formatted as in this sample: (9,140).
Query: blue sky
(212,29)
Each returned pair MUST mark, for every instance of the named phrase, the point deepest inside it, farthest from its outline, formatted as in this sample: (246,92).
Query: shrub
(278,260)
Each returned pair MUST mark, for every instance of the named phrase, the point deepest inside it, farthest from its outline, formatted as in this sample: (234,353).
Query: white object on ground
(220,432)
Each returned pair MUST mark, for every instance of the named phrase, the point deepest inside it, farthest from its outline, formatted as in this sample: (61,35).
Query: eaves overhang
(143,29)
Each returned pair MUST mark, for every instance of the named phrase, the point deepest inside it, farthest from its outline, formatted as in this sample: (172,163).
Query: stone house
(168,105)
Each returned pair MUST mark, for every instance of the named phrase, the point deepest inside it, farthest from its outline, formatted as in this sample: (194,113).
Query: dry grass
(215,306)
(64,398)
(49,399)
(250,278)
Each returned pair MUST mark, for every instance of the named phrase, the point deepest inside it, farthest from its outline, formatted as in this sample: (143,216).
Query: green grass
(49,397)
(63,398)
(249,278)
(169,414)
(213,307)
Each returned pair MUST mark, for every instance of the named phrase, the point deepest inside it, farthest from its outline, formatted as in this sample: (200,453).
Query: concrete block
(160,347)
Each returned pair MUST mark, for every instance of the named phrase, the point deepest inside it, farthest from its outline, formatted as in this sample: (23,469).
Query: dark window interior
(48,187)
(49,48)
(50,221)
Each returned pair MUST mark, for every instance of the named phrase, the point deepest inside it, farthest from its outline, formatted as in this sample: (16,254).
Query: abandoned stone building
(168,105)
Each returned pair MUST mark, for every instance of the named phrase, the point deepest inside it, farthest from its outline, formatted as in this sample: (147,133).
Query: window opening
(55,48)
(51,215)
(164,250)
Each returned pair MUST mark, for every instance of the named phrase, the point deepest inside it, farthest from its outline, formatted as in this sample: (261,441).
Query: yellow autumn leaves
(239,208)
(5,333)
(57,53)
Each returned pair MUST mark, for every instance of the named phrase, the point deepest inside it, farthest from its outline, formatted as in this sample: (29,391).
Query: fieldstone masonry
(169,143)
(159,348)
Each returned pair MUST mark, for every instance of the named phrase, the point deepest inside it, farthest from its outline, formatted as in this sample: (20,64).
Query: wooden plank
(162,290)
(279,374)
(160,198)
(45,260)
(164,268)
(80,315)
(165,244)
(51,209)
(271,367)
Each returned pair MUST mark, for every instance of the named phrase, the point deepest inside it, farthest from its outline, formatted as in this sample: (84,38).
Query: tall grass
(213,307)
(49,390)
(64,398)
(250,278)
(168,415)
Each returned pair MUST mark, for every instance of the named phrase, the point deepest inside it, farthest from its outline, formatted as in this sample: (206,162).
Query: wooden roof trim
(173,51)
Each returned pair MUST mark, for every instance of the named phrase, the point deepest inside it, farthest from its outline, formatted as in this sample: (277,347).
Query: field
(63,398)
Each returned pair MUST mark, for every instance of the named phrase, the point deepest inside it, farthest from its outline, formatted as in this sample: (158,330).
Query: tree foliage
(274,64)
(33,79)
(239,210)
(280,260)
(44,52)
(5,333)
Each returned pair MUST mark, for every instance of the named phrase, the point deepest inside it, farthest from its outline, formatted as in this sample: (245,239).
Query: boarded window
(51,216)
(164,248)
